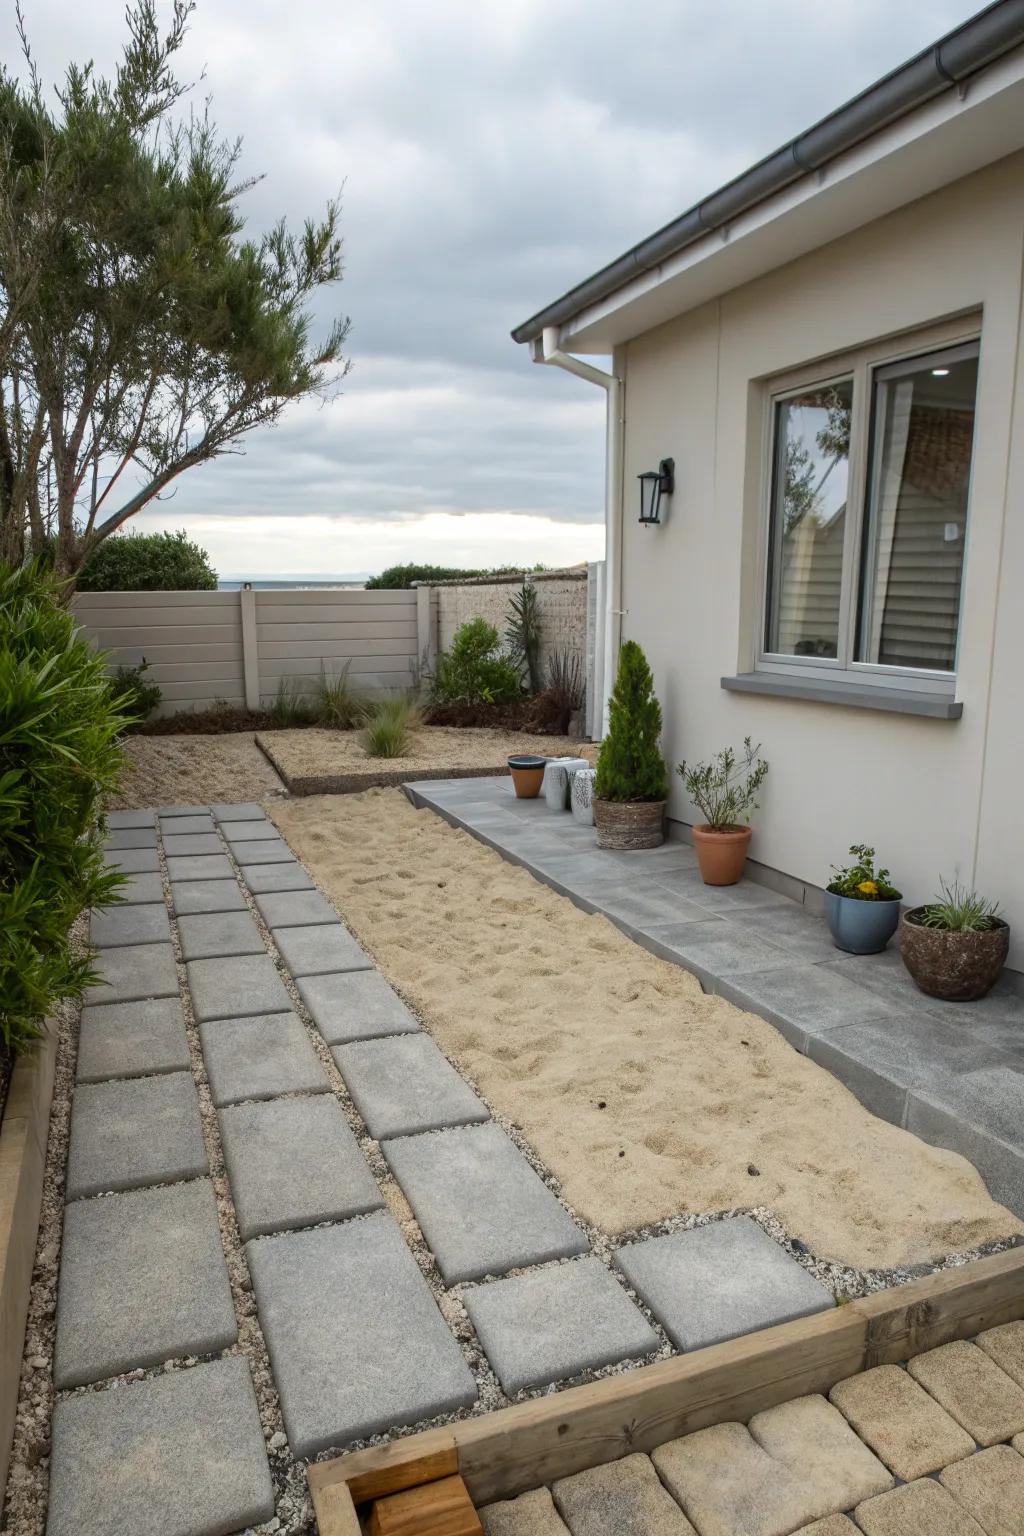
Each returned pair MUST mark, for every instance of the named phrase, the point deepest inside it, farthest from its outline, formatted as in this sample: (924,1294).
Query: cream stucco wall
(934,797)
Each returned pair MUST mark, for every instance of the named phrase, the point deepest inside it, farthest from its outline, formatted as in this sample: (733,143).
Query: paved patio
(357,1340)
(951,1072)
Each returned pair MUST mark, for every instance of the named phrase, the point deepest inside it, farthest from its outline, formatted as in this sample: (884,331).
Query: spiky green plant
(340,705)
(959,909)
(389,728)
(630,765)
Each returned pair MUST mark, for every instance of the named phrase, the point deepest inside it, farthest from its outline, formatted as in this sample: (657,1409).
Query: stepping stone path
(358,1344)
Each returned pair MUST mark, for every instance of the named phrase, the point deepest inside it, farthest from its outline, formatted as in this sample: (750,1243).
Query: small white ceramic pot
(557,775)
(581,796)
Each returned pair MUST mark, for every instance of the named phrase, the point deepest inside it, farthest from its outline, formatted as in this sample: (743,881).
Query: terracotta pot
(527,775)
(629,823)
(960,967)
(721,853)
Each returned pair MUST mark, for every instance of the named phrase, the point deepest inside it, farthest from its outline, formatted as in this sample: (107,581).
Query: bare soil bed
(318,761)
(194,770)
(643,1096)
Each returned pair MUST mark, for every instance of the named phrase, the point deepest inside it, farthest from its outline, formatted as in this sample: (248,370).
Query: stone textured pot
(581,796)
(959,967)
(557,775)
(527,775)
(860,927)
(721,853)
(629,823)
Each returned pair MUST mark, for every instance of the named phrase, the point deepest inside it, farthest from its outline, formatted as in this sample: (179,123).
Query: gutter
(611,610)
(945,65)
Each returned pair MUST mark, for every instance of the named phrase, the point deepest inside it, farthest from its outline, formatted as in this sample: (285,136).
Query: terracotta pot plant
(955,946)
(631,786)
(862,906)
(527,771)
(724,791)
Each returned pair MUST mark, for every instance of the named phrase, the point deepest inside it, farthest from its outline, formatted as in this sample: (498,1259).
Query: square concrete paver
(199,866)
(139,923)
(168,811)
(132,861)
(356,1340)
(181,1453)
(557,1322)
(145,1130)
(480,1205)
(924,1508)
(810,1437)
(119,819)
(142,1280)
(131,837)
(354,1005)
(182,826)
(404,1085)
(236,987)
(244,810)
(727,1483)
(145,889)
(272,850)
(899,1421)
(131,971)
(531,1514)
(623,1498)
(294,1163)
(991,1486)
(832,1525)
(318,948)
(188,896)
(259,1058)
(276,877)
(295,909)
(132,1039)
(1005,1345)
(191,844)
(986,1402)
(255,831)
(717,1282)
(208,935)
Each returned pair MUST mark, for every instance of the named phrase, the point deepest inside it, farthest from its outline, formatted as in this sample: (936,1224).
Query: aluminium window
(868,505)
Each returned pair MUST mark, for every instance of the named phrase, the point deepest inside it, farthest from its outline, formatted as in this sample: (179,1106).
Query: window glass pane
(808,521)
(916,520)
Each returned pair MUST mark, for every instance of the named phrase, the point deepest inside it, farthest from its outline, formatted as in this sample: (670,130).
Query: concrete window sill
(934,706)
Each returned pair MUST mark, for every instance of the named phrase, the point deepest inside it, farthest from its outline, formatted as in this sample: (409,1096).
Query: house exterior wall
(933,796)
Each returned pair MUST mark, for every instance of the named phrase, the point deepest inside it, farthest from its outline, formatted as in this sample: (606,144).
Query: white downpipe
(614,423)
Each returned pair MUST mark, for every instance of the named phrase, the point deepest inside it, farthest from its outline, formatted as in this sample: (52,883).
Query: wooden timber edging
(511,1450)
(23,1133)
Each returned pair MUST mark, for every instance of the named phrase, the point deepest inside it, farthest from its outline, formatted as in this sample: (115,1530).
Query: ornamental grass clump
(959,909)
(60,721)
(630,766)
(388,730)
(860,880)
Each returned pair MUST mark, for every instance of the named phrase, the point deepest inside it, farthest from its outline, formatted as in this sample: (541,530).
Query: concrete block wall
(561,605)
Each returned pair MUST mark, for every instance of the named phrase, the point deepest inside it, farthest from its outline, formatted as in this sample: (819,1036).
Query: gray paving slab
(930,1056)
(119,819)
(131,971)
(481,1207)
(132,861)
(235,987)
(802,935)
(166,811)
(180,1455)
(207,935)
(269,851)
(719,1281)
(719,948)
(557,1322)
(255,831)
(132,1040)
(142,1280)
(137,923)
(1000,1164)
(260,1058)
(206,896)
(294,909)
(318,948)
(202,866)
(131,837)
(355,1005)
(803,999)
(276,877)
(243,810)
(403,1084)
(191,843)
(144,888)
(179,826)
(294,1163)
(143,1130)
(383,1358)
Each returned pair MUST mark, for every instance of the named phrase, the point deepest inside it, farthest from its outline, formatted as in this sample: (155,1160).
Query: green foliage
(474,671)
(959,909)
(724,789)
(147,562)
(59,758)
(566,680)
(339,705)
(522,634)
(389,727)
(630,765)
(860,880)
(136,698)
(291,706)
(400,577)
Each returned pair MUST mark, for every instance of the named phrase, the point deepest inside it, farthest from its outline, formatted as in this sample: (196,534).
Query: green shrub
(630,765)
(147,562)
(399,577)
(522,634)
(59,758)
(136,698)
(724,789)
(474,671)
(389,728)
(339,704)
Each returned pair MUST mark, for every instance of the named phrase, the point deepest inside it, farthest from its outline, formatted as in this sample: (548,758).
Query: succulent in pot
(724,791)
(956,945)
(862,906)
(631,785)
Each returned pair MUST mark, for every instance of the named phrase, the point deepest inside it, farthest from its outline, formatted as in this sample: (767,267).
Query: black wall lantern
(654,484)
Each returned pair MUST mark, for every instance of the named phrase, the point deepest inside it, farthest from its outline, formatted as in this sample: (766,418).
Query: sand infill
(194,770)
(643,1096)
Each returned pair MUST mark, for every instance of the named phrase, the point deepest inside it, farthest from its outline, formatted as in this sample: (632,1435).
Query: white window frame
(951,340)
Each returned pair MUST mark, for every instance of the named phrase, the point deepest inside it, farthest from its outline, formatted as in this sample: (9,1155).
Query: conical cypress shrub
(630,765)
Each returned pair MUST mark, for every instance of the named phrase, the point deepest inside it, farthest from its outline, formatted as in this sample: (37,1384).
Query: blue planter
(860,927)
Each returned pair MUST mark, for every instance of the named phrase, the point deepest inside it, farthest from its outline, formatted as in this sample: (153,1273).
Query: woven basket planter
(629,823)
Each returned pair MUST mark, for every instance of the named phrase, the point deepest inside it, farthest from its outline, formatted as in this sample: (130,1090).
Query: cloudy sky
(492,153)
